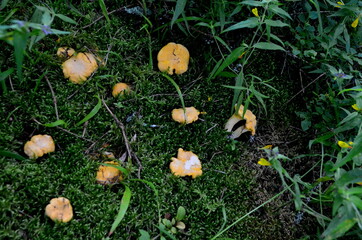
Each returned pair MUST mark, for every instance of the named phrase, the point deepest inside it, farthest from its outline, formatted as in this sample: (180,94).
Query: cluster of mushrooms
(172,58)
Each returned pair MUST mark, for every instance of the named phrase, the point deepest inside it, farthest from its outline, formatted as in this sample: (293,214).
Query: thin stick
(117,10)
(302,90)
(93,144)
(54,97)
(67,131)
(128,146)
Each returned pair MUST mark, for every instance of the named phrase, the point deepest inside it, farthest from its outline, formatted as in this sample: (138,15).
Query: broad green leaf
(144,235)
(92,113)
(234,55)
(268,46)
(352,176)
(279,11)
(55,31)
(253,3)
(275,23)
(122,209)
(354,190)
(54,124)
(181,213)
(180,6)
(46,19)
(104,10)
(249,23)
(66,19)
(356,149)
(338,227)
(3,4)
(357,200)
(11,155)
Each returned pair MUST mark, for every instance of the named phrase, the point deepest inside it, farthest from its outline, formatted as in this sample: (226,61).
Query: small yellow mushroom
(186,164)
(189,116)
(238,125)
(38,146)
(65,52)
(173,58)
(108,175)
(59,210)
(120,89)
(79,67)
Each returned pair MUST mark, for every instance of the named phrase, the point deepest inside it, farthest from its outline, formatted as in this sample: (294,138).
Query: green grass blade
(122,210)
(20,39)
(56,123)
(66,19)
(9,15)
(3,4)
(122,169)
(92,113)
(152,186)
(104,10)
(180,6)
(228,60)
(11,155)
(268,46)
(3,76)
(177,89)
(162,229)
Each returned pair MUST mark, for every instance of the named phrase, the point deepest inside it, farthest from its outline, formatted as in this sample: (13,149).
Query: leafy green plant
(21,34)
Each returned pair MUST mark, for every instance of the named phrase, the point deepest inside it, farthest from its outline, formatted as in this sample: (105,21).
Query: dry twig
(131,154)
(54,97)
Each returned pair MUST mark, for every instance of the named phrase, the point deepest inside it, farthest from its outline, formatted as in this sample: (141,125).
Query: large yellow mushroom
(237,124)
(190,115)
(79,67)
(108,175)
(59,210)
(173,58)
(186,164)
(38,146)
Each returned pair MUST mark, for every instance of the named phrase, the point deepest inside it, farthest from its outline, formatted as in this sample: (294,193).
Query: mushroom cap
(108,175)
(120,89)
(65,52)
(173,58)
(79,67)
(189,116)
(250,124)
(186,164)
(59,210)
(38,146)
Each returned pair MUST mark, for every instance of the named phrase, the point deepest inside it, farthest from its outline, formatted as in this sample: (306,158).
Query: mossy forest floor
(232,181)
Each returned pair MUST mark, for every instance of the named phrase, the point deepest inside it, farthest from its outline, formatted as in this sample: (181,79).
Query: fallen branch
(128,146)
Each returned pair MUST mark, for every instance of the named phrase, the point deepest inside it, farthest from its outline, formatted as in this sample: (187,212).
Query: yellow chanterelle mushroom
(190,115)
(59,210)
(38,146)
(65,52)
(186,164)
(237,124)
(173,58)
(108,175)
(120,89)
(79,67)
